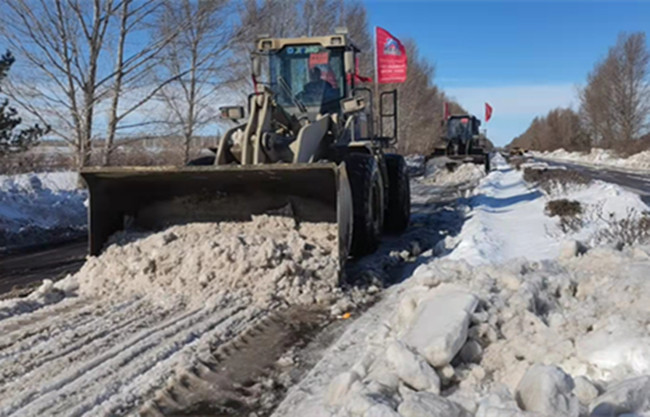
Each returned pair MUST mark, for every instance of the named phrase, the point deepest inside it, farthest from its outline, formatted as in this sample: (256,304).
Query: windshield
(307,76)
(458,128)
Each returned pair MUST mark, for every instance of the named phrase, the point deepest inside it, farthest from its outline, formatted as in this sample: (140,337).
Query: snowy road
(107,353)
(636,182)
(23,269)
(483,289)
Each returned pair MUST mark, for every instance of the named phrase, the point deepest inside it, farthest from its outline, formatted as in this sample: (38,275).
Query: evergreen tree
(11,138)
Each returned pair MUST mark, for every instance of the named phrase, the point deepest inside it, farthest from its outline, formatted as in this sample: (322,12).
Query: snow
(106,339)
(601,157)
(547,390)
(441,340)
(531,333)
(439,174)
(415,164)
(516,317)
(412,369)
(508,222)
(34,208)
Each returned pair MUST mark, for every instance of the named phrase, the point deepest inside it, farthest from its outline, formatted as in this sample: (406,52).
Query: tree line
(94,71)
(614,110)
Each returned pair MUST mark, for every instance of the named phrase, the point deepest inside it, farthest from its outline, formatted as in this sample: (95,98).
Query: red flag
(391,58)
(446,111)
(488,112)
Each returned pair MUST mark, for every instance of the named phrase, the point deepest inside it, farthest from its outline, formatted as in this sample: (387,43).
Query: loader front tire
(367,203)
(398,211)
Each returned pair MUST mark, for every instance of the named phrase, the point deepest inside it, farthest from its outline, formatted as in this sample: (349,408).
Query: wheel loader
(464,142)
(308,143)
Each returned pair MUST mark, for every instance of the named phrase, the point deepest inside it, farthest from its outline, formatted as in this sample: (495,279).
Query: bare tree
(198,62)
(615,104)
(135,71)
(560,128)
(62,43)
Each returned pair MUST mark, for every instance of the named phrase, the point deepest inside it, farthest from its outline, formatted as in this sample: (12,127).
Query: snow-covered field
(600,157)
(515,317)
(37,208)
(516,321)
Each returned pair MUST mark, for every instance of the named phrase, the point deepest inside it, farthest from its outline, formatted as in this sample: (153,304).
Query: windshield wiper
(287,91)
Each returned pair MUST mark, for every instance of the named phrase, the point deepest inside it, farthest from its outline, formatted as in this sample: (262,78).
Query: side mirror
(257,66)
(233,113)
(348,62)
(353,105)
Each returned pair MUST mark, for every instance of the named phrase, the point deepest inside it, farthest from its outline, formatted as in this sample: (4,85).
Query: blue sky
(523,57)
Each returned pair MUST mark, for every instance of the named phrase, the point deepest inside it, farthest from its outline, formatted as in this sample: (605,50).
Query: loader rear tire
(367,203)
(398,211)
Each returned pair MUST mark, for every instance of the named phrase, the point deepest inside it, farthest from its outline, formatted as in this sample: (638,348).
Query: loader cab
(308,75)
(462,128)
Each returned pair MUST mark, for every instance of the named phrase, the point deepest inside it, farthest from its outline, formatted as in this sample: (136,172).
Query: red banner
(391,58)
(446,111)
(488,112)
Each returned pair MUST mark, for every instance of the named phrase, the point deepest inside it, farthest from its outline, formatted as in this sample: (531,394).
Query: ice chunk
(584,390)
(548,390)
(339,388)
(426,404)
(439,327)
(610,351)
(471,352)
(629,396)
(381,410)
(412,369)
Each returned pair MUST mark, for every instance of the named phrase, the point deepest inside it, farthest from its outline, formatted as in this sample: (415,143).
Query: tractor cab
(309,76)
(462,128)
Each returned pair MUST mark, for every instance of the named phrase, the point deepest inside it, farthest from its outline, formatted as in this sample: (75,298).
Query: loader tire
(398,210)
(367,204)
(202,161)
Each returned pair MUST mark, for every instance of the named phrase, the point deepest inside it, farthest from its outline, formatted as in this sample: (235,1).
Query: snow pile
(268,261)
(518,320)
(508,220)
(462,174)
(415,164)
(558,338)
(36,207)
(270,258)
(105,340)
(603,157)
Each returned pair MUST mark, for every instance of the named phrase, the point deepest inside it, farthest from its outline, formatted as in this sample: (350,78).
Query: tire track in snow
(76,343)
(144,346)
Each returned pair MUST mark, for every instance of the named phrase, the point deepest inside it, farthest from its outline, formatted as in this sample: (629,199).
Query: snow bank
(415,164)
(507,218)
(503,325)
(526,328)
(35,208)
(438,174)
(602,157)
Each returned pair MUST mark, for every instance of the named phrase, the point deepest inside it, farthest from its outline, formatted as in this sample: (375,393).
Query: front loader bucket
(152,198)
